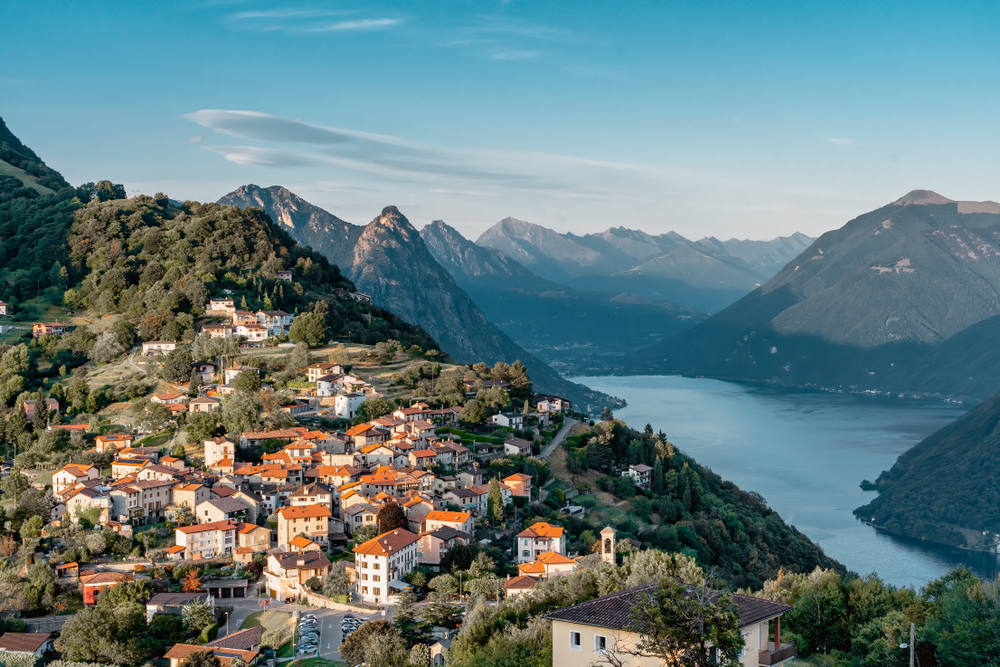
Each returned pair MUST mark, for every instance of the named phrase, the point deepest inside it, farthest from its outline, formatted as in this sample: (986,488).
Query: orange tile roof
(301,542)
(304,511)
(359,429)
(387,543)
(202,527)
(517,477)
(177,548)
(458,517)
(541,529)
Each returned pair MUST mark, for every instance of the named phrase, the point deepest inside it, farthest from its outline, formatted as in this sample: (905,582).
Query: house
(583,633)
(204,369)
(179,654)
(47,329)
(206,540)
(112,443)
(218,330)
(315,371)
(288,572)
(204,404)
(243,317)
(93,584)
(513,446)
(537,539)
(519,484)
(467,499)
(548,564)
(461,521)
(189,495)
(382,562)
(84,498)
(346,405)
(216,510)
(51,404)
(218,449)
(167,399)
(252,332)
(518,585)
(509,419)
(125,467)
(251,539)
(434,544)
(360,514)
(156,347)
(301,544)
(468,478)
(230,373)
(548,403)
(71,474)
(257,438)
(158,472)
(312,494)
(367,434)
(173,462)
(223,305)
(361,297)
(641,474)
(312,521)
(285,275)
(26,642)
(141,498)
(4,308)
(422,458)
(275,322)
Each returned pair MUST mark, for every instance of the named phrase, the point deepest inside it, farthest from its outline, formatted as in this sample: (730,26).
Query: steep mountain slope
(860,305)
(566,327)
(944,488)
(706,275)
(24,164)
(390,262)
(310,225)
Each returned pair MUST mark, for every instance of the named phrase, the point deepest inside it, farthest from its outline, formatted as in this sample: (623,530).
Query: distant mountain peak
(922,198)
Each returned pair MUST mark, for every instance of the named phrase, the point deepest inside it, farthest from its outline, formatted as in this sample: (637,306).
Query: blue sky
(747,119)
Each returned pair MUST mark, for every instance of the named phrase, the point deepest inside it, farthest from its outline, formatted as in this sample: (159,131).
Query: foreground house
(26,642)
(382,562)
(93,584)
(288,572)
(584,633)
(539,538)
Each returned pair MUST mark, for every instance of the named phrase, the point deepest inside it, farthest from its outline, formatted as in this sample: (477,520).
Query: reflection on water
(806,453)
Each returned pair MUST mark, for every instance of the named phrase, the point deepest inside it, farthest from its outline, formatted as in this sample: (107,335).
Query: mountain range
(705,275)
(388,260)
(901,299)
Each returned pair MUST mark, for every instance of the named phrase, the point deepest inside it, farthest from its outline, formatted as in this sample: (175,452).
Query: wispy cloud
(264,157)
(195,140)
(302,21)
(515,55)
(840,141)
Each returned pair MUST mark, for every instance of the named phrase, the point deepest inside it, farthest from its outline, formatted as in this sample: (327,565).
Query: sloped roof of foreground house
(615,611)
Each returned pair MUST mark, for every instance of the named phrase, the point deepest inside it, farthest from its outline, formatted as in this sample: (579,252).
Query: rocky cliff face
(309,225)
(388,260)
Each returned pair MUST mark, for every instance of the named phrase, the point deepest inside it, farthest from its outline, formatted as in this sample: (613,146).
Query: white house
(382,562)
(346,405)
(276,322)
(511,419)
(153,347)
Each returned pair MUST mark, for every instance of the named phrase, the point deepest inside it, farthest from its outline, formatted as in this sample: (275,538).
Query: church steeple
(608,544)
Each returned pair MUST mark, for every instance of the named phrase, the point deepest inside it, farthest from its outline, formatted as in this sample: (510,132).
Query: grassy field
(158,440)
(269,620)
(25,177)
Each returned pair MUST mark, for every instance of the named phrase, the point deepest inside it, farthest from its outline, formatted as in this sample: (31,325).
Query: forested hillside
(19,156)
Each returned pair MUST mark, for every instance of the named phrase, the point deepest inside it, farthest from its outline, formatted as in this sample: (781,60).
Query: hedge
(21,659)
(209,633)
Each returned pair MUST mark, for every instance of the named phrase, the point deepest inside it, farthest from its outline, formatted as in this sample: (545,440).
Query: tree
(494,500)
(444,584)
(203,658)
(374,408)
(194,386)
(177,365)
(17,425)
(420,655)
(107,347)
(309,328)
(197,615)
(200,426)
(678,623)
(362,533)
(657,482)
(354,649)
(32,528)
(192,583)
(299,358)
(474,412)
(390,517)
(440,612)
(607,415)
(336,582)
(405,620)
(966,628)
(239,413)
(149,416)
(247,381)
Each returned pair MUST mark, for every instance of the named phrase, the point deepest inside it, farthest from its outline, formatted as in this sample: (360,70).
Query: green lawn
(317,662)
(158,440)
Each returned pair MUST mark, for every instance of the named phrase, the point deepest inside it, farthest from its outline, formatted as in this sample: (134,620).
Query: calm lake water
(805,453)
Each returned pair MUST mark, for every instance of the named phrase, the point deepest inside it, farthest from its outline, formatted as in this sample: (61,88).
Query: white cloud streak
(515,55)
(840,141)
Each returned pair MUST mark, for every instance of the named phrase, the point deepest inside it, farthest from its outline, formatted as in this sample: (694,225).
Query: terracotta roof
(300,542)
(107,578)
(26,642)
(166,397)
(517,477)
(423,453)
(541,529)
(519,582)
(387,543)
(458,517)
(615,611)
(202,527)
(304,511)
(223,491)
(176,549)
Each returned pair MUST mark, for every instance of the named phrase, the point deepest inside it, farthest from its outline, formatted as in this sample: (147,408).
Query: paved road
(567,426)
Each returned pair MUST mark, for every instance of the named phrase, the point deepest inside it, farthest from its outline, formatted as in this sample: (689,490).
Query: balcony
(773,657)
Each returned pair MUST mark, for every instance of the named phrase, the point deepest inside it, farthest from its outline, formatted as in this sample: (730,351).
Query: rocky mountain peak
(922,198)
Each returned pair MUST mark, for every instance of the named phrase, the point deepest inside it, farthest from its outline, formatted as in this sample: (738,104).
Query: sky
(726,119)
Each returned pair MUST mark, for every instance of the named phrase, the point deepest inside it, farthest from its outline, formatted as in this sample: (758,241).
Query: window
(375,577)
(600,644)
(746,638)
(526,553)
(574,640)
(364,590)
(364,576)
(376,591)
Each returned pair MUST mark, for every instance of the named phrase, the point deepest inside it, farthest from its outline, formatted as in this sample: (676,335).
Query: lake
(806,453)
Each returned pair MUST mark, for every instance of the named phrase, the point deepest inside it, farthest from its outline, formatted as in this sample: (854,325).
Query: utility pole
(912,635)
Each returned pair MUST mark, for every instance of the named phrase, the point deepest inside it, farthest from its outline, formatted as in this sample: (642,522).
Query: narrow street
(567,426)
